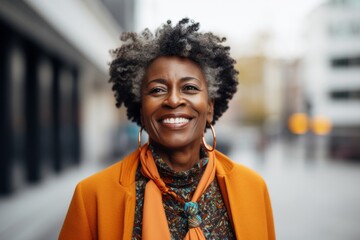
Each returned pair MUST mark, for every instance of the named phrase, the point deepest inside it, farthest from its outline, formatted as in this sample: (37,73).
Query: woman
(174,84)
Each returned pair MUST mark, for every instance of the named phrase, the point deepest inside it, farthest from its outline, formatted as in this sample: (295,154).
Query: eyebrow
(163,81)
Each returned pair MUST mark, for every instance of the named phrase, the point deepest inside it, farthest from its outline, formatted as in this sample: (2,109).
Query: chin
(173,143)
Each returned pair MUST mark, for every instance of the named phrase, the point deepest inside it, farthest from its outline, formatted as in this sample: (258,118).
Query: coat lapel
(127,180)
(245,198)
(229,191)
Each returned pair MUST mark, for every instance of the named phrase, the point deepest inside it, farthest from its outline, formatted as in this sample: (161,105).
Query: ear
(210,112)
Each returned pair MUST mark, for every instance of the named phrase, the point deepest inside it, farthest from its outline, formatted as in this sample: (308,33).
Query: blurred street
(38,212)
(312,199)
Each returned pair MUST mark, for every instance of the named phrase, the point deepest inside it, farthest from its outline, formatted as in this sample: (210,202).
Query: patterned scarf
(155,224)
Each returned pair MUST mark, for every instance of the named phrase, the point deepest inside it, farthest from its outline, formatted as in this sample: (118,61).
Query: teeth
(176,120)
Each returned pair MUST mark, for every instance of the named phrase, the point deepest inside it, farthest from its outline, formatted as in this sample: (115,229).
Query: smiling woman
(174,84)
(175,107)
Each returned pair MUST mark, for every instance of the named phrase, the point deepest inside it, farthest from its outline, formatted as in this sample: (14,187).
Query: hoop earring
(139,137)
(214,140)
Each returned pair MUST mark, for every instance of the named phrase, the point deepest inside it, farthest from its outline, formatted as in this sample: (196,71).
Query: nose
(174,99)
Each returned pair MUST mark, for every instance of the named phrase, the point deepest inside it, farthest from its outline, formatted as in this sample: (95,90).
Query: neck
(180,159)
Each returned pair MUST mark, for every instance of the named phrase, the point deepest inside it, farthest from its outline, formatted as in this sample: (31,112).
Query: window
(346,62)
(345,95)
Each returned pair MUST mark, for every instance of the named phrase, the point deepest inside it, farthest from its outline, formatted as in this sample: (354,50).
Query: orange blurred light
(298,123)
(321,125)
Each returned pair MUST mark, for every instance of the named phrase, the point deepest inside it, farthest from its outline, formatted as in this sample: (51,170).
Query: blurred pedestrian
(175,84)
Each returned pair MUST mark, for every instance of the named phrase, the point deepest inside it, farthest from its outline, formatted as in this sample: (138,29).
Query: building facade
(331,68)
(55,102)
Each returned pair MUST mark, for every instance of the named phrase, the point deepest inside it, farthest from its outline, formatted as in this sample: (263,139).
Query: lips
(175,120)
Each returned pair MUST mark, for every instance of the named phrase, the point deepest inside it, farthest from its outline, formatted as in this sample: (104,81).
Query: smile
(178,120)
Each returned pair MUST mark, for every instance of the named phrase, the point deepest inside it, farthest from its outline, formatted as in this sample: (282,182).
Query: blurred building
(55,103)
(332,73)
(260,97)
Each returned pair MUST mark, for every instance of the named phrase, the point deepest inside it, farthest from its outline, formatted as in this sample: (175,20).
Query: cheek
(147,110)
(201,105)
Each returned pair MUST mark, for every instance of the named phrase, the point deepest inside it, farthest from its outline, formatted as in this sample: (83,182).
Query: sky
(240,21)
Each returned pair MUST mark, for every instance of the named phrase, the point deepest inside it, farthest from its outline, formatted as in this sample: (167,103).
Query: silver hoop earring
(214,140)
(139,137)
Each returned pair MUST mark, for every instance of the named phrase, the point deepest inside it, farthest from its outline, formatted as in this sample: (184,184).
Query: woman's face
(174,102)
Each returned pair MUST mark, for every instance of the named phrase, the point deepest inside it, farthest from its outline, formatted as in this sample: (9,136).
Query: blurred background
(295,118)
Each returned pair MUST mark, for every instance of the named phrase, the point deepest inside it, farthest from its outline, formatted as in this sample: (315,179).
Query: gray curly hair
(132,58)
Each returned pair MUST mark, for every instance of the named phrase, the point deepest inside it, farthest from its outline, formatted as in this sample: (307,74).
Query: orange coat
(103,205)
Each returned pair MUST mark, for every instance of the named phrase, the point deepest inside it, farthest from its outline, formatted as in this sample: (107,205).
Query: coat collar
(128,168)
(224,167)
(130,163)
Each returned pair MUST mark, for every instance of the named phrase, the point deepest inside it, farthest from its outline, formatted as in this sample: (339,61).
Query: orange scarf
(154,224)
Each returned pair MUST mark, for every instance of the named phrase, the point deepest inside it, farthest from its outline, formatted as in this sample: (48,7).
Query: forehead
(174,67)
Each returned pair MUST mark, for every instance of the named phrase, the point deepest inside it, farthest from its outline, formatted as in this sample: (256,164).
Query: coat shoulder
(121,173)
(238,171)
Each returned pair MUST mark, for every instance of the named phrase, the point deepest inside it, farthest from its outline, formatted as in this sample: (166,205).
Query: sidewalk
(312,199)
(38,212)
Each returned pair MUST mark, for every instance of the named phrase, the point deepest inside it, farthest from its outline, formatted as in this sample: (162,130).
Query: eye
(191,88)
(157,90)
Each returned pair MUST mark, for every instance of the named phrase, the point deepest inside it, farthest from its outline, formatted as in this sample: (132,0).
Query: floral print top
(215,219)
